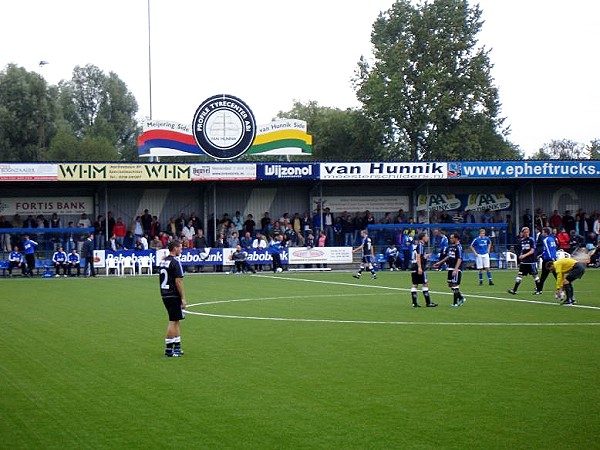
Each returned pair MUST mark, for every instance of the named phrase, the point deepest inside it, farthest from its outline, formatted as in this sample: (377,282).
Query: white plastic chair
(511,259)
(560,254)
(128,264)
(113,264)
(144,262)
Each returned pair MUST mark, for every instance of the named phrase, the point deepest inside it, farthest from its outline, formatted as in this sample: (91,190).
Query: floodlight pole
(152,158)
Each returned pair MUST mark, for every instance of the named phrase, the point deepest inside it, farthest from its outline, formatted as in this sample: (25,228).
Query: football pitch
(299,361)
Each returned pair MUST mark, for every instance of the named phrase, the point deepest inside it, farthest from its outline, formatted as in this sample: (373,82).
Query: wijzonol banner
(525,169)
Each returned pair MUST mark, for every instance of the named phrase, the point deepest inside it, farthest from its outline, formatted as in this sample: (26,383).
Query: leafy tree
(594,149)
(27,109)
(563,149)
(95,105)
(67,147)
(338,135)
(430,85)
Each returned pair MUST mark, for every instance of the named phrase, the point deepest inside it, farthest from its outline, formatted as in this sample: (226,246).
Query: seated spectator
(59,259)
(239,257)
(156,243)
(74,262)
(16,259)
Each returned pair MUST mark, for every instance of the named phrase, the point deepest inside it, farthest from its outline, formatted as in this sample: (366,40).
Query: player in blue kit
(481,246)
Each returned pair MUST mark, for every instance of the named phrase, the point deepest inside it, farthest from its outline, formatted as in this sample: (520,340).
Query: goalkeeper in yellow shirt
(567,270)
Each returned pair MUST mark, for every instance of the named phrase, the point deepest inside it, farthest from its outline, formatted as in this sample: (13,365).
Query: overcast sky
(272,52)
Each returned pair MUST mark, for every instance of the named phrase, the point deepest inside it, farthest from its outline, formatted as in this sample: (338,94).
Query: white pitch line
(467,295)
(376,322)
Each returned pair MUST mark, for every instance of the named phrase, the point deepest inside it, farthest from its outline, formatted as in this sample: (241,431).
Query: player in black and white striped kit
(368,255)
(454,259)
(527,262)
(173,296)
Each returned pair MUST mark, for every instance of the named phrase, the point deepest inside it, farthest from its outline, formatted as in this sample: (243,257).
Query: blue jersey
(443,244)
(480,244)
(549,248)
(59,257)
(73,258)
(15,257)
(275,247)
(391,252)
(29,246)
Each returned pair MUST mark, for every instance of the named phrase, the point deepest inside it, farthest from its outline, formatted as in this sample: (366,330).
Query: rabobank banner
(287,171)
(526,169)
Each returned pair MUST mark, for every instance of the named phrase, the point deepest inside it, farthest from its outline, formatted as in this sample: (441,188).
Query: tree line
(427,94)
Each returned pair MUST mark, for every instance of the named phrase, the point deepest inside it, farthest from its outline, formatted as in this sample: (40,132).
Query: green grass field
(298,361)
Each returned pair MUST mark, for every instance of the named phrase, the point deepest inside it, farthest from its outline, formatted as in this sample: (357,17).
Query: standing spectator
(111,223)
(59,259)
(87,252)
(347,230)
(265,222)
(15,259)
(120,231)
(99,232)
(4,237)
(527,262)
(173,297)
(84,221)
(188,231)
(481,246)
(418,274)
(238,222)
(249,225)
(154,227)
(146,220)
(454,259)
(306,224)
(562,239)
(328,223)
(55,222)
(368,255)
(29,250)
(358,224)
(584,227)
(540,219)
(136,227)
(555,220)
(486,217)
(74,262)
(568,221)
(527,219)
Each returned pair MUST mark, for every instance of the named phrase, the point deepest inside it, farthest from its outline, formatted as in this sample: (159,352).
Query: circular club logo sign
(224,127)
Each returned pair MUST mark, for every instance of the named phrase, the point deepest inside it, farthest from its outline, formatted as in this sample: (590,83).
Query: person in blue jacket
(29,250)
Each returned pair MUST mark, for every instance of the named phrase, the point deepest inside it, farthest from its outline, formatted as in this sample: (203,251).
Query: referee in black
(173,296)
